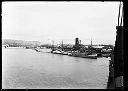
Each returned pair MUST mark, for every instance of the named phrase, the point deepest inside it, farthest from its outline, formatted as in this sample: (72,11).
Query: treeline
(20,43)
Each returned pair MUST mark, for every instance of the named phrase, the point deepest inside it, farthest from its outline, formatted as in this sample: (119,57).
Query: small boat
(69,54)
(99,55)
(27,47)
(56,52)
(64,53)
(36,49)
(93,56)
(106,55)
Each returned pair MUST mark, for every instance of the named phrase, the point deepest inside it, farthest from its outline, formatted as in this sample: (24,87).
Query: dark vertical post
(118,58)
(116,65)
(117,61)
(118,55)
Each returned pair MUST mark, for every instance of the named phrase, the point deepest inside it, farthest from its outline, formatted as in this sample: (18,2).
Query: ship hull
(83,55)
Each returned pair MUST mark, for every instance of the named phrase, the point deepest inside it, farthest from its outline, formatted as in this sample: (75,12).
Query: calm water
(26,68)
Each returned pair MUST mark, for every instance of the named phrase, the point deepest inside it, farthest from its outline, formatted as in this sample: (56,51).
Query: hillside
(16,43)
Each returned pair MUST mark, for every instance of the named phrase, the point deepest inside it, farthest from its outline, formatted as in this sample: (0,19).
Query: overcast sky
(47,21)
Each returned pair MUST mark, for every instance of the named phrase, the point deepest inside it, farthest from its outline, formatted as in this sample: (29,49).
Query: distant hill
(15,43)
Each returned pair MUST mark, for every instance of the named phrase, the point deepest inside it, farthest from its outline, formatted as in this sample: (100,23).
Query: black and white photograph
(62,45)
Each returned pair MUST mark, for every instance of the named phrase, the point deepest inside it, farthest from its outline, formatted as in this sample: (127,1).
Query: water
(28,69)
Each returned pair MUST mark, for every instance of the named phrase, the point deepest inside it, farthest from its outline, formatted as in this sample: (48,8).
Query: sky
(48,21)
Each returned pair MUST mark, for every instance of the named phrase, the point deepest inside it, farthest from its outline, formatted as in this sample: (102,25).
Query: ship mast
(91,43)
(53,44)
(62,45)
